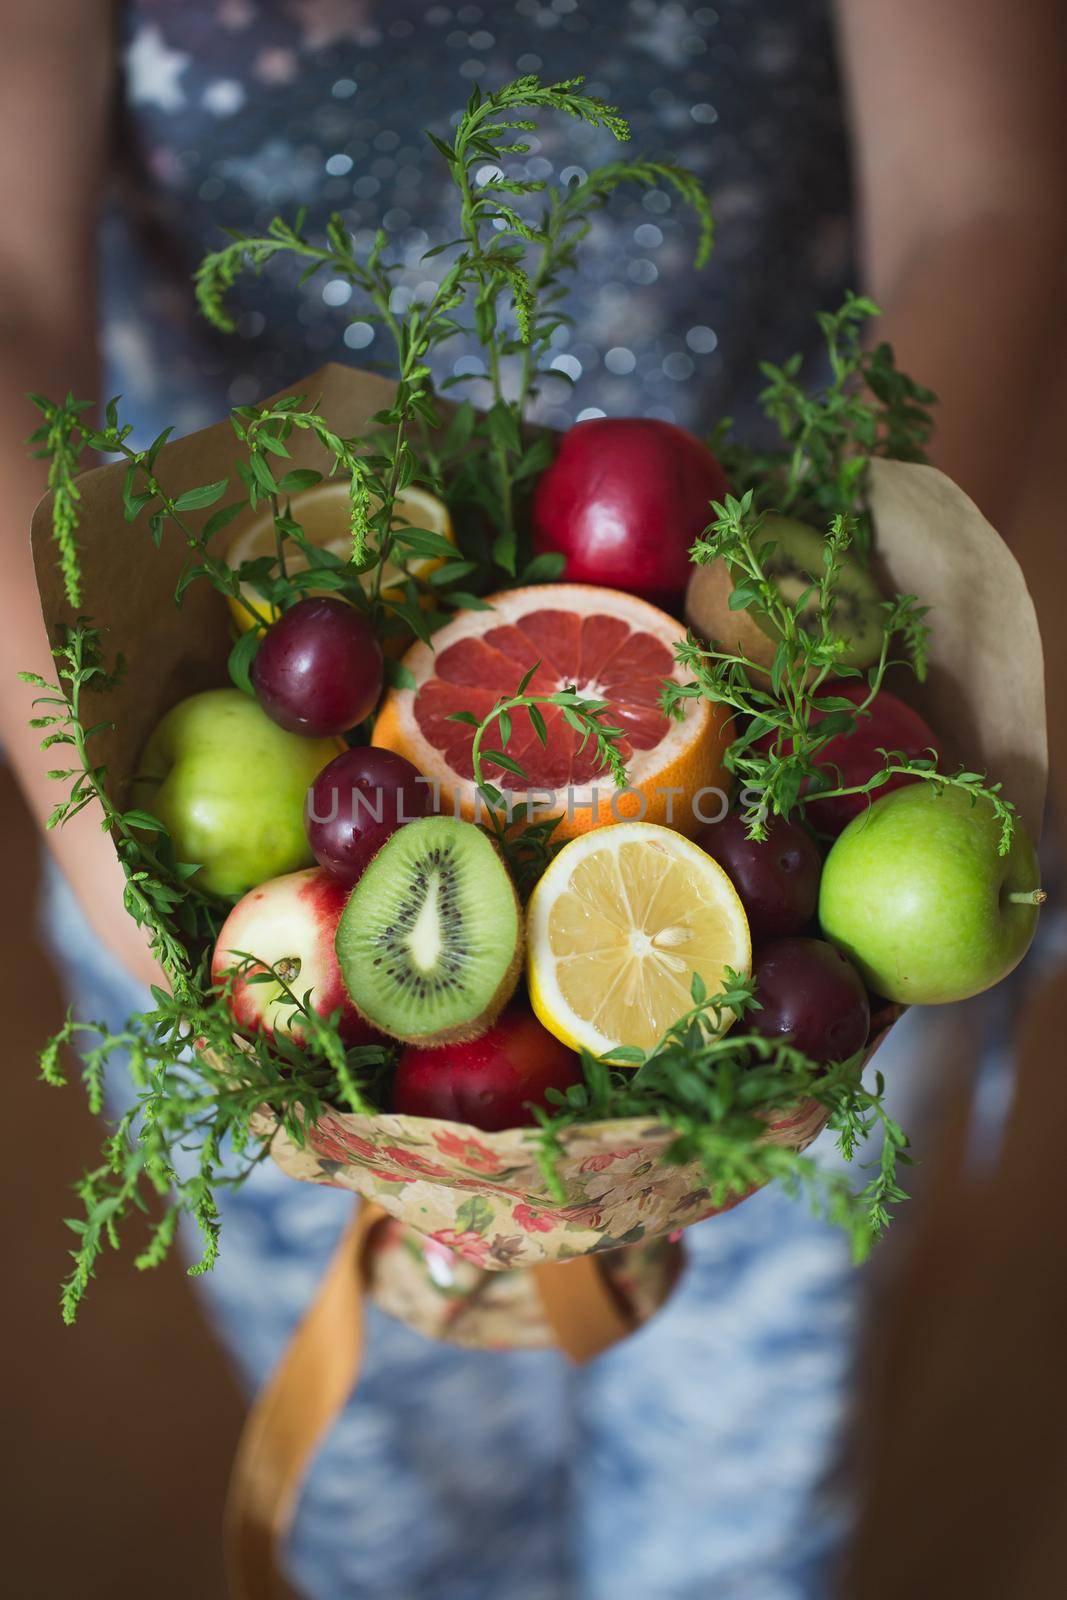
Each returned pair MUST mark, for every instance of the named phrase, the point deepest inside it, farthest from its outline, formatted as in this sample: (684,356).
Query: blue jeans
(694,1462)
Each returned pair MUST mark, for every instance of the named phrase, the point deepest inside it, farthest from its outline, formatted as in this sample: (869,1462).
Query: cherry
(318,670)
(811,995)
(355,803)
(488,1081)
(777,880)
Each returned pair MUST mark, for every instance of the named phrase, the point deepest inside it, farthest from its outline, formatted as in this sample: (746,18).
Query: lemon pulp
(620,931)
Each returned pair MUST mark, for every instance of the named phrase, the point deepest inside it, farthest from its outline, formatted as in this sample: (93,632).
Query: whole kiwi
(793,565)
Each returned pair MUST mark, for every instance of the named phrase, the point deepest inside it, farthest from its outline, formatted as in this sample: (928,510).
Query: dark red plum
(777,879)
(319,668)
(354,805)
(811,995)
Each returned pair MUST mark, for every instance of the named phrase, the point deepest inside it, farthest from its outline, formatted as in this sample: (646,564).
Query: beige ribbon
(317,1373)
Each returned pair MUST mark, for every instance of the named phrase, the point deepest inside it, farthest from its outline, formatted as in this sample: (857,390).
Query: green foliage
(868,408)
(782,779)
(507,276)
(190,1133)
(719,1092)
(484,463)
(158,894)
(59,442)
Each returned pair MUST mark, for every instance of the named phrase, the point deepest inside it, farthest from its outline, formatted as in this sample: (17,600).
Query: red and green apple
(288,924)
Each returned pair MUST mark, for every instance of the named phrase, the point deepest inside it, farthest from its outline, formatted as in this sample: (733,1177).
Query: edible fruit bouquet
(526,826)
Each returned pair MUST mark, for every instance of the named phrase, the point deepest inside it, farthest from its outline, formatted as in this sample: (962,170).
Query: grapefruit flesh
(607,645)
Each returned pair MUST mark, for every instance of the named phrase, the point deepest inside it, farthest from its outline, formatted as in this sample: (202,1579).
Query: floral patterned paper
(470,1206)
(428,1286)
(484,1195)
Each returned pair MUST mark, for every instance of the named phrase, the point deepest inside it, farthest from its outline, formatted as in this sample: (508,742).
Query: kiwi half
(793,565)
(430,942)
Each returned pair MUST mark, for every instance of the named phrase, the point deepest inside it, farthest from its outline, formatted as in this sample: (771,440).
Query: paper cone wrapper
(483,1196)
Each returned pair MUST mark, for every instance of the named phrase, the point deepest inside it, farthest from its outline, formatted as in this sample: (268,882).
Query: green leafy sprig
(526,842)
(507,276)
(788,716)
(500,243)
(867,408)
(158,893)
(198,1087)
(719,1093)
(58,442)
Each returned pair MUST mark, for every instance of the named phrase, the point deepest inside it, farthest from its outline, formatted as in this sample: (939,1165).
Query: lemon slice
(323,514)
(616,928)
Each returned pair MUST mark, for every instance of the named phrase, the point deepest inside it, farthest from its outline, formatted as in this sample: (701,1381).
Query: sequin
(620,360)
(337,93)
(567,364)
(678,366)
(701,339)
(337,292)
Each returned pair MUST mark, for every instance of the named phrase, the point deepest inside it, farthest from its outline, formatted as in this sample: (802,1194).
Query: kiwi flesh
(795,562)
(430,941)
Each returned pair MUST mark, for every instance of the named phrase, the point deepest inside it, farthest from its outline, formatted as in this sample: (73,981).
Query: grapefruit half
(610,646)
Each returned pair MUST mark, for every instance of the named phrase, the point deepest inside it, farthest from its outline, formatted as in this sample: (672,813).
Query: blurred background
(119,1433)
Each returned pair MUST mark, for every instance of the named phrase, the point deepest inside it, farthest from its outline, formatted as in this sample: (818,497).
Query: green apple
(229,785)
(915,893)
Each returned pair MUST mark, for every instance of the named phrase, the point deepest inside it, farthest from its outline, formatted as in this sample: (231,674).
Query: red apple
(488,1081)
(288,923)
(852,758)
(624,500)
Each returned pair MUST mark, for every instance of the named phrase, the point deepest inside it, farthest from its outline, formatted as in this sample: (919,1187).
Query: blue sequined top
(233,110)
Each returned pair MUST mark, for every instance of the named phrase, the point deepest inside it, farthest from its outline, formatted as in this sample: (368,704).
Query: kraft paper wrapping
(483,1196)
